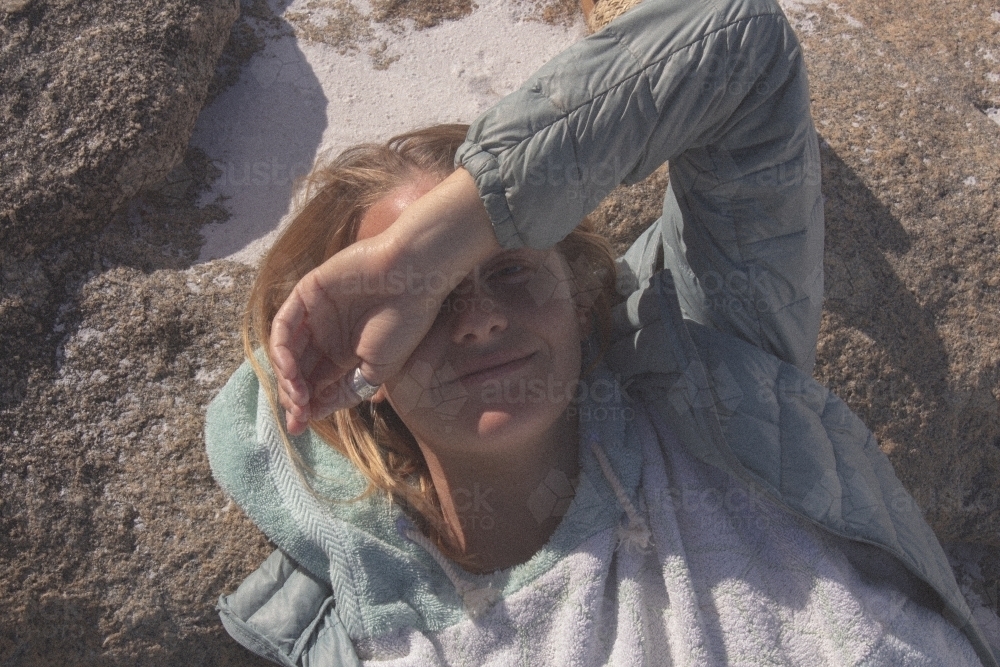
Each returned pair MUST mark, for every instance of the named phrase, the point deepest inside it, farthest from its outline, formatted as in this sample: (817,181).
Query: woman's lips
(493,370)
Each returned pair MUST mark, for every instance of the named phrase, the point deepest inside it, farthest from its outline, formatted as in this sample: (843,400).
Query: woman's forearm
(328,326)
(447,231)
(719,90)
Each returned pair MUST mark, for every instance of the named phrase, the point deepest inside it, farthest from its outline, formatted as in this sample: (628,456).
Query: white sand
(297,100)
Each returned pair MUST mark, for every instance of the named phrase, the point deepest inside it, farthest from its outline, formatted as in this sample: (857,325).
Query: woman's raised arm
(369,305)
(718,88)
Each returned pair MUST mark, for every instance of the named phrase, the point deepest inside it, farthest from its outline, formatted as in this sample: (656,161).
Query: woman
(676,490)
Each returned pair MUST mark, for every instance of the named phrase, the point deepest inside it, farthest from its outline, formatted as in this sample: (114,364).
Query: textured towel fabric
(727,578)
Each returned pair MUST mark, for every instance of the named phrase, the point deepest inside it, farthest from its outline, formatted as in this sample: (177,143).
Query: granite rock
(107,511)
(98,100)
(111,521)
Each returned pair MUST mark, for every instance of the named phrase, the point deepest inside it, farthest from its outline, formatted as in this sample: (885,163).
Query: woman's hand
(371,304)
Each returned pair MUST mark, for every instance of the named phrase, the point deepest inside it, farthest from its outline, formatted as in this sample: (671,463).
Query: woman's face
(501,363)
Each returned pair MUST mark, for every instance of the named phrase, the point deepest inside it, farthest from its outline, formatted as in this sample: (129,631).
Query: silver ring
(360,386)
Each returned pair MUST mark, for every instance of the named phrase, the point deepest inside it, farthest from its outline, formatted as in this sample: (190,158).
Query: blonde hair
(333,200)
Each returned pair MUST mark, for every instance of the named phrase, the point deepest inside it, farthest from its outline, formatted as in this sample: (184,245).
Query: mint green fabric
(381,580)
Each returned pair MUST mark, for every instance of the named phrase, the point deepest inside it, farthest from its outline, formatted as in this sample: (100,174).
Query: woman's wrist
(447,232)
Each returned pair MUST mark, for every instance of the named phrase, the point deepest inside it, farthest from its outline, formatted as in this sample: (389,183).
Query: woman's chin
(496,423)
(506,426)
(493,430)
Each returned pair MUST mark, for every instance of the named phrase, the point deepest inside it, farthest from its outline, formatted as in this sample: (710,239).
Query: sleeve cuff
(485,170)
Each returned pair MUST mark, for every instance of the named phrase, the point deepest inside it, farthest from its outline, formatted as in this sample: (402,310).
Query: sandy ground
(299,98)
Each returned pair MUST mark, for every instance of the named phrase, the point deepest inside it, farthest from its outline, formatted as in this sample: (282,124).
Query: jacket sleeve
(666,78)
(284,614)
(718,89)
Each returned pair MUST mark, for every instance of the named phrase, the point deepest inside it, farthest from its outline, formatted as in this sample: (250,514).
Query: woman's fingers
(322,397)
(326,399)
(311,385)
(336,396)
(304,334)
(328,326)
(296,425)
(289,339)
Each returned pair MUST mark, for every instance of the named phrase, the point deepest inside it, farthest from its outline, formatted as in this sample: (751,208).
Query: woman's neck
(502,507)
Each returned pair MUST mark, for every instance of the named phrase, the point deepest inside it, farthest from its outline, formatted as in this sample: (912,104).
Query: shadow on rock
(263,136)
(65,630)
(114,539)
(162,227)
(881,349)
(864,293)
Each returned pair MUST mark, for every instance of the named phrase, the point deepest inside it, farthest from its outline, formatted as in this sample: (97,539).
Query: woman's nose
(475,317)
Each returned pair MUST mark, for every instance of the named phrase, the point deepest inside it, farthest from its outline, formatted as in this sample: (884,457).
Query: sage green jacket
(724,340)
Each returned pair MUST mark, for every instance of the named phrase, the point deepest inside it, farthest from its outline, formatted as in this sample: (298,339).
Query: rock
(912,307)
(630,209)
(116,540)
(107,509)
(246,37)
(98,100)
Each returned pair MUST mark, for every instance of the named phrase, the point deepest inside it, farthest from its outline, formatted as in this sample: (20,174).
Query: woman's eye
(510,273)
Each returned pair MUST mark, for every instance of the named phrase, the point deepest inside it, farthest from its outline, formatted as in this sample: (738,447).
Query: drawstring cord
(475,599)
(636,535)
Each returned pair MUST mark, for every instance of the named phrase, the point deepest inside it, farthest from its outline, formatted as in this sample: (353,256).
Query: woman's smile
(497,367)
